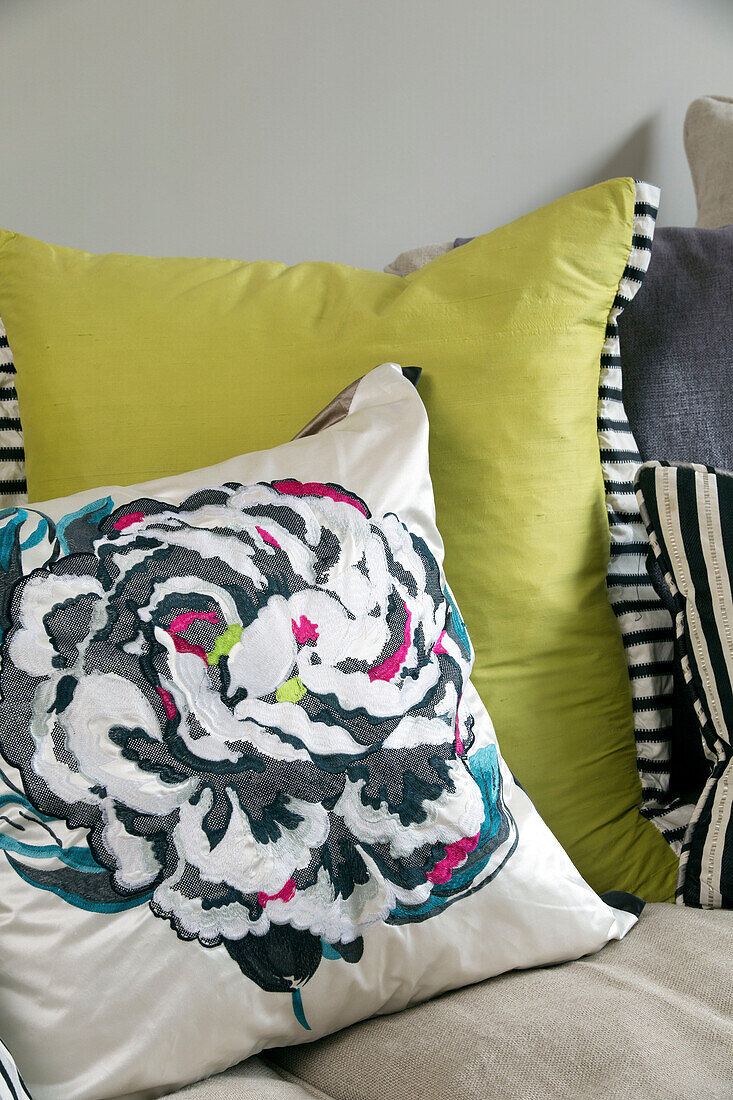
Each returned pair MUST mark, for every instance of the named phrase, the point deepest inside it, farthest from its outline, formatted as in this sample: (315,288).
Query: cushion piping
(645,624)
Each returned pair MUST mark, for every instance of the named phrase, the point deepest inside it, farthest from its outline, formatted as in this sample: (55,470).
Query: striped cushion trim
(13,490)
(645,624)
(12,1086)
(688,511)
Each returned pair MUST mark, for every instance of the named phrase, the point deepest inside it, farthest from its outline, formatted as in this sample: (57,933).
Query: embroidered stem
(298,1009)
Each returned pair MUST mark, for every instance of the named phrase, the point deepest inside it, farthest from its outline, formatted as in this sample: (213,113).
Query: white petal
(339,636)
(415,730)
(319,738)
(208,923)
(71,786)
(191,688)
(454,815)
(99,703)
(379,698)
(320,911)
(265,655)
(30,648)
(136,863)
(239,859)
(184,586)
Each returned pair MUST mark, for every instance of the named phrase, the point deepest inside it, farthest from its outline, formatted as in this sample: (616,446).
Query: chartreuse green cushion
(132,368)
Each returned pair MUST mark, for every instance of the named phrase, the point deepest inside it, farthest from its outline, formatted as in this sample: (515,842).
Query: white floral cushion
(249,794)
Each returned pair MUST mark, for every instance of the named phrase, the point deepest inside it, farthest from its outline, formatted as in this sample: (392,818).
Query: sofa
(650,1015)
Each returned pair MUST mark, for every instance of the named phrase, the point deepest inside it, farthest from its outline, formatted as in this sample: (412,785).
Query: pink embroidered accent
(459,739)
(168,704)
(286,894)
(184,620)
(454,854)
(182,646)
(267,538)
(128,520)
(317,489)
(305,630)
(389,668)
(439,647)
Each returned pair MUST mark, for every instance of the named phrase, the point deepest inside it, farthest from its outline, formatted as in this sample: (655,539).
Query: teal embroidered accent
(90,515)
(7,533)
(79,858)
(458,624)
(298,1010)
(38,535)
(71,896)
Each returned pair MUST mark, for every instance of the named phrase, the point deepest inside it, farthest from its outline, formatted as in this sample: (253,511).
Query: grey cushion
(677,349)
(650,1016)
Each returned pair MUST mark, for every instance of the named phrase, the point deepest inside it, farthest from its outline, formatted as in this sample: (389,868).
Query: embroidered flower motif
(253,703)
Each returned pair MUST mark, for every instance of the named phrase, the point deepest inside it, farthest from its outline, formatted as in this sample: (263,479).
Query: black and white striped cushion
(12,457)
(12,1086)
(645,623)
(688,511)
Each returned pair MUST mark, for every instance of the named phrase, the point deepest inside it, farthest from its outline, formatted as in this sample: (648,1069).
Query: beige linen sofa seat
(648,1017)
(252,1080)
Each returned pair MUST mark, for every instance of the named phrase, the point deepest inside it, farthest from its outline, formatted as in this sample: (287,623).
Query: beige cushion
(651,1016)
(410,261)
(709,147)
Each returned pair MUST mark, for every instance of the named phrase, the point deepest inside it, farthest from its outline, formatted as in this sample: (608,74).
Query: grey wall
(338,129)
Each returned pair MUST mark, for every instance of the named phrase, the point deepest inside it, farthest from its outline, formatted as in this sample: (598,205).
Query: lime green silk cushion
(132,368)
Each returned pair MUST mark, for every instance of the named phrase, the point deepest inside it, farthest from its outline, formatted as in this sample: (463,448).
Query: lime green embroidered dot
(225,643)
(292,691)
